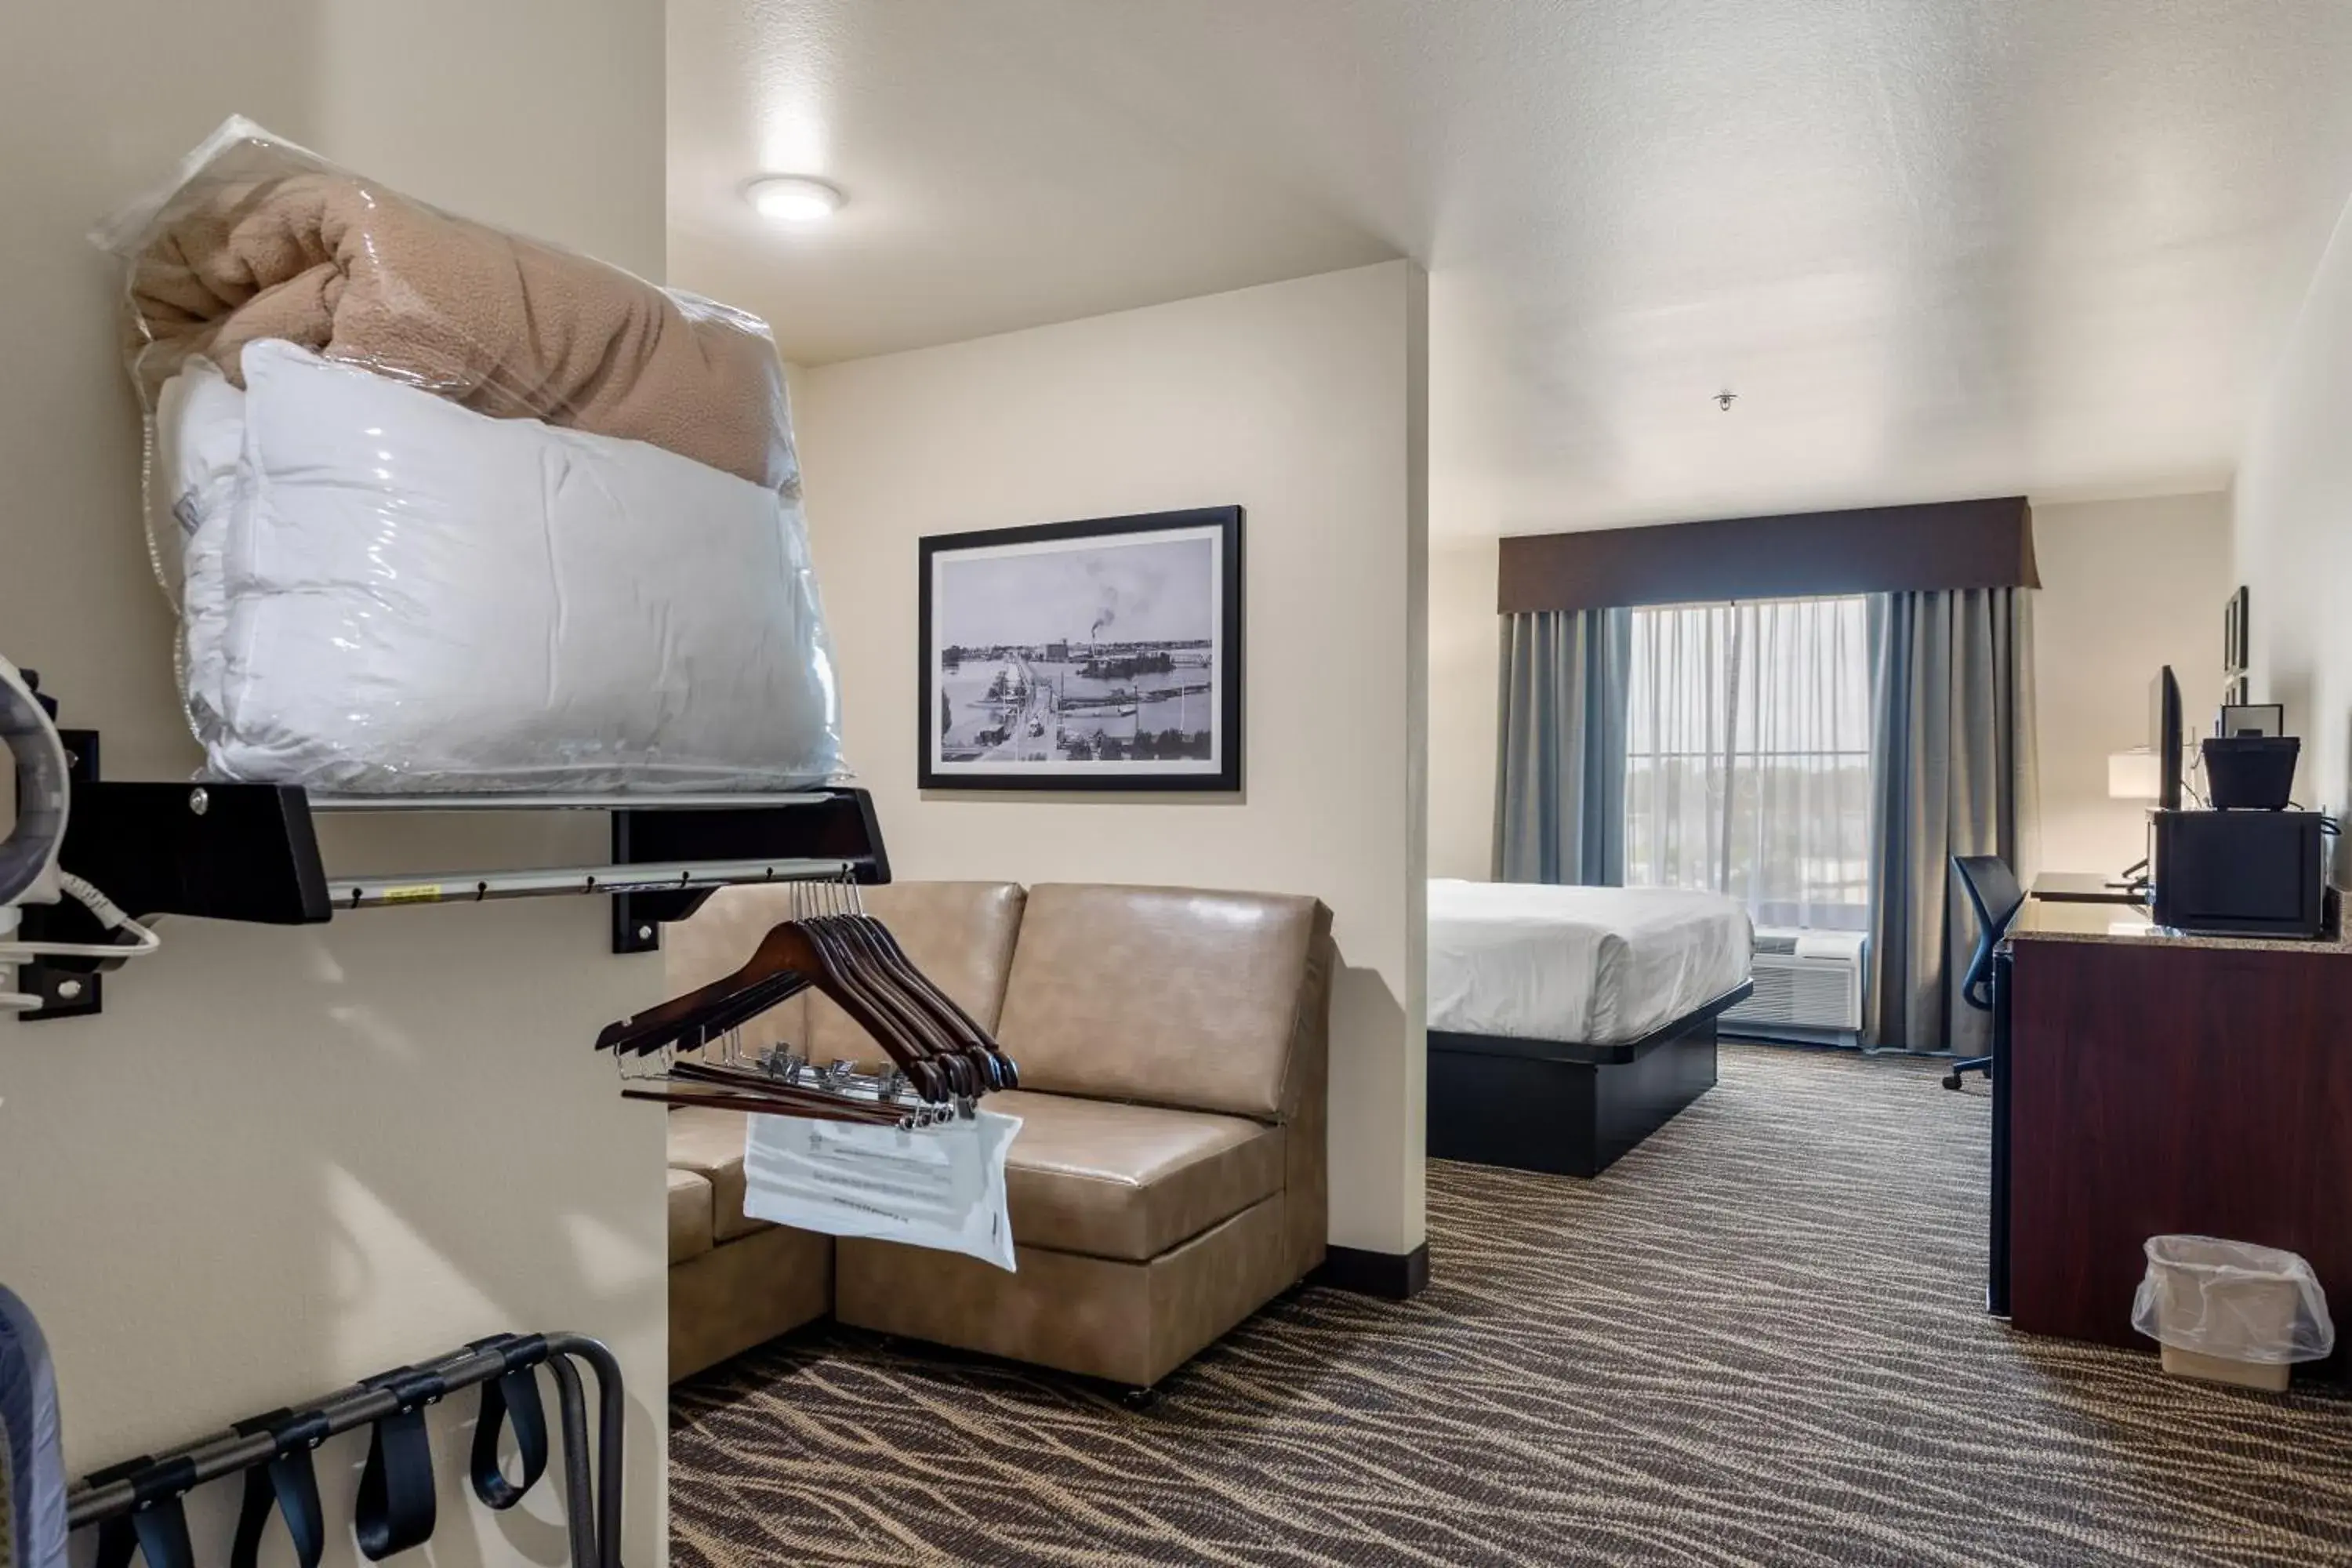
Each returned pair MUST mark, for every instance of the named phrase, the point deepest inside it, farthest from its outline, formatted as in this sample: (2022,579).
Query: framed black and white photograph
(1097,655)
(2236,645)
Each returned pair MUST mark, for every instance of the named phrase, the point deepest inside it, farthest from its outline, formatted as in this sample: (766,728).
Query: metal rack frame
(250,852)
(594,1497)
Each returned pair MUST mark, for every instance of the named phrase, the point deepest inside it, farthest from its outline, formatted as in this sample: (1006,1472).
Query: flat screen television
(2164,736)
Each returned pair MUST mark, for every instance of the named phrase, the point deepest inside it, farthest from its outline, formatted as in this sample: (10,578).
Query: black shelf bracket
(250,852)
(834,824)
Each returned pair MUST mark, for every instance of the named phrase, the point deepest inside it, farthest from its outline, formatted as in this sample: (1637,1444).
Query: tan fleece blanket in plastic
(504,325)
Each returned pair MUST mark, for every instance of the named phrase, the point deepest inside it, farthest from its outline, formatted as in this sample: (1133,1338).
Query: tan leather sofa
(1169,1177)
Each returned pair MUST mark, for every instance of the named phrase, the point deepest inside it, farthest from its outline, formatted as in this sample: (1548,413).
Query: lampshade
(2134,775)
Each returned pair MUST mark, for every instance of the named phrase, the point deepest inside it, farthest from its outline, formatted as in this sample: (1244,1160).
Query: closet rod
(712,800)
(233,1452)
(645,877)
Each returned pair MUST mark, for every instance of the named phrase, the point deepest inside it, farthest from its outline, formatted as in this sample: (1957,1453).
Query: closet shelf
(250,852)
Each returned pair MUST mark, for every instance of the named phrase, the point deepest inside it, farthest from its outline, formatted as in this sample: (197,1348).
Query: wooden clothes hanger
(938,1049)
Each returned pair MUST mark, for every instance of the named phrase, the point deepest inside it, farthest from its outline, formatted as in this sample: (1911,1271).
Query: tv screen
(2164,736)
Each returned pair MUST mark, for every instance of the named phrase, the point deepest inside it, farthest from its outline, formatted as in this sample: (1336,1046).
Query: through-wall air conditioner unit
(1808,988)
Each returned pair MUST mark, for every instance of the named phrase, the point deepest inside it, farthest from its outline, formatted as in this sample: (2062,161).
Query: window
(1747,757)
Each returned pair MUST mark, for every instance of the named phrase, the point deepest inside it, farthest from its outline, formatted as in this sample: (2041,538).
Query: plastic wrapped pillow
(384,591)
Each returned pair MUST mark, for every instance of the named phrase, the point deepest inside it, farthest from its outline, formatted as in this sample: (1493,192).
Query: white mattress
(1587,966)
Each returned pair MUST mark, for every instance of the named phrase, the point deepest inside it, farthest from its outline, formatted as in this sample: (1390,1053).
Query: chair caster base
(1951,1080)
(1138,1400)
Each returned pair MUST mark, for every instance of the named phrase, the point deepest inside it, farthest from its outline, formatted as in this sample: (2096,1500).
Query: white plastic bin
(2230,1311)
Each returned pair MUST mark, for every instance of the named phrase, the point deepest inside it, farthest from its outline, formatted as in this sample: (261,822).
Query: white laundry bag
(940,1187)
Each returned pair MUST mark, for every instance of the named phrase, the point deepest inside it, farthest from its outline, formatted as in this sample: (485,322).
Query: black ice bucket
(2249,772)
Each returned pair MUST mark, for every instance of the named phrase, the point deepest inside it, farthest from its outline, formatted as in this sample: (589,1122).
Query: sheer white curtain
(1747,757)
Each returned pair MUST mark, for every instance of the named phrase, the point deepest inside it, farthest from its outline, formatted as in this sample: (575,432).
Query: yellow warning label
(415,893)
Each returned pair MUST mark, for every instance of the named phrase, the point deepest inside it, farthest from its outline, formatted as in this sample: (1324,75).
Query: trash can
(2230,1311)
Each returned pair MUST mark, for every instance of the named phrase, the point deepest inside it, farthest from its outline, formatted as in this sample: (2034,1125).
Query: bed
(1566,1024)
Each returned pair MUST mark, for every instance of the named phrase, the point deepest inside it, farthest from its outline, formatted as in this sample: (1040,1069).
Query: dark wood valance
(1870,550)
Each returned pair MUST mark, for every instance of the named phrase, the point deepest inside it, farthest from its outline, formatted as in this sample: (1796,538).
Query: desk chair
(1993,889)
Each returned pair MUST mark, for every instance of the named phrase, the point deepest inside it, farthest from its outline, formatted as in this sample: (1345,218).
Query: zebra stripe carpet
(1757,1341)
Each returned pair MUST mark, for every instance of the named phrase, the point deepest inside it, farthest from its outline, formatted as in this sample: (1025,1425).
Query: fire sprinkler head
(1725,399)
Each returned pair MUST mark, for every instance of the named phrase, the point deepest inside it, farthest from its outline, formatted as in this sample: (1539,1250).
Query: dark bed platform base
(1568,1109)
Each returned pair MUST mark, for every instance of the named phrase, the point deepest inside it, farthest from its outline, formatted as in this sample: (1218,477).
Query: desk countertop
(2045,920)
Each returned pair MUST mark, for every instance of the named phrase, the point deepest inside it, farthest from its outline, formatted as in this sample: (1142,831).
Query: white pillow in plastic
(391,593)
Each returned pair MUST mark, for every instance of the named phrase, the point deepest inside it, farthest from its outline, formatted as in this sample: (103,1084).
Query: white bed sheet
(1591,965)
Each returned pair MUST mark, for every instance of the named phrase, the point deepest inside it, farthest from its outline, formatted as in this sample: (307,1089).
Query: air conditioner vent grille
(1809,992)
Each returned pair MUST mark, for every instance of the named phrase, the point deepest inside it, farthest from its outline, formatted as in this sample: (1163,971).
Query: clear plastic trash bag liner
(2234,1300)
(940,1187)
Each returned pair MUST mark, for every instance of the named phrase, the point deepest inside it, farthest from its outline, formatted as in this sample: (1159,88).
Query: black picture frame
(1062,764)
(2236,645)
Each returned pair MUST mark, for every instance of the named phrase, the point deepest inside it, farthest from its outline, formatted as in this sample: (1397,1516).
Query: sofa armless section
(1170,1175)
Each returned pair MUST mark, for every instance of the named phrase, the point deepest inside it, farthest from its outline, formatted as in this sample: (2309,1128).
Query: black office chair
(1993,889)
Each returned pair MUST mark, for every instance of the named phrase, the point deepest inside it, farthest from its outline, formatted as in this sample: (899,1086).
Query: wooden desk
(2152,1082)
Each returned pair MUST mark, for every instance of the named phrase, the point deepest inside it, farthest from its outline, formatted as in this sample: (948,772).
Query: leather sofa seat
(710,1144)
(1129,1182)
(736,1282)
(690,1215)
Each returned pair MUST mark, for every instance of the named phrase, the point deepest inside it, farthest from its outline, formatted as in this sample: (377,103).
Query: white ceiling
(1939,247)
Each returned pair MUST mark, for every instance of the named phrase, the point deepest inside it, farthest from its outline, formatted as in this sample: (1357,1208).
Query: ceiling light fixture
(793,198)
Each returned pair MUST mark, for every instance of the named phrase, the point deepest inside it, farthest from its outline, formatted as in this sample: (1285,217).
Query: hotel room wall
(1299,401)
(1465,664)
(2127,586)
(2292,536)
(284,1158)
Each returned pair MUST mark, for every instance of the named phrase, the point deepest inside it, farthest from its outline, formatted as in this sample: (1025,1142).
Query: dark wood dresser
(2161,1083)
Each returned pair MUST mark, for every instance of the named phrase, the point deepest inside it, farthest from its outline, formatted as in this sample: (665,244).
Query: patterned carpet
(1754,1341)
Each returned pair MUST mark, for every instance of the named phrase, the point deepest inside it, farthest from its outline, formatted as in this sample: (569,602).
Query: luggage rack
(250,852)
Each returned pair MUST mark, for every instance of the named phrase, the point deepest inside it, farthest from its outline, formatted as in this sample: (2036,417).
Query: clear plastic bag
(446,508)
(2232,1300)
(940,1187)
(253,238)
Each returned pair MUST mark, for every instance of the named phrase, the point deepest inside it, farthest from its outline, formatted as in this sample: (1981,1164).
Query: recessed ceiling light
(793,198)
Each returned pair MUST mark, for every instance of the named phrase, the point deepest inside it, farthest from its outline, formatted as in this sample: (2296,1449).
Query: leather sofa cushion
(737,1295)
(1128,1182)
(1167,995)
(690,1215)
(710,1144)
(960,934)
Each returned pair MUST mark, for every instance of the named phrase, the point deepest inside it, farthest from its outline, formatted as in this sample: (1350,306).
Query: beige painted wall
(1301,402)
(2292,522)
(284,1159)
(1464,654)
(2127,586)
